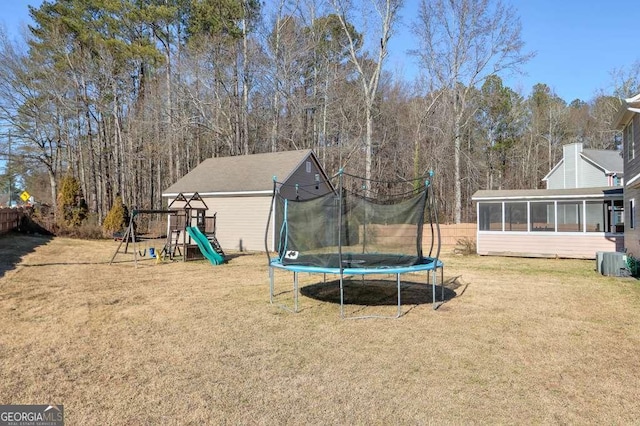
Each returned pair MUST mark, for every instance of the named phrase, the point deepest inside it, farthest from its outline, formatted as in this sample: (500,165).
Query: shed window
(570,216)
(490,216)
(515,217)
(595,213)
(543,216)
(308,166)
(632,213)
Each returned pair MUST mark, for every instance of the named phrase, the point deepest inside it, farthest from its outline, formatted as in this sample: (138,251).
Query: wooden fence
(450,234)
(397,234)
(10,219)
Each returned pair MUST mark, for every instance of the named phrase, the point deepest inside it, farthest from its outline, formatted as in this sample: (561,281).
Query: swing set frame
(131,237)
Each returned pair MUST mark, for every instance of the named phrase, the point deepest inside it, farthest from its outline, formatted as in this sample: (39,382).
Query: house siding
(556,179)
(631,169)
(632,235)
(591,175)
(576,170)
(577,245)
(570,153)
(241,221)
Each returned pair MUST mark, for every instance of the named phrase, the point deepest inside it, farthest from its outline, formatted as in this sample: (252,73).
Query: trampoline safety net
(351,229)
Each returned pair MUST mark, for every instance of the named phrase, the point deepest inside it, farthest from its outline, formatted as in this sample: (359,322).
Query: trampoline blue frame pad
(427,264)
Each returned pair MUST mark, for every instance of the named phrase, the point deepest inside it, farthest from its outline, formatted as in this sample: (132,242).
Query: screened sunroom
(573,223)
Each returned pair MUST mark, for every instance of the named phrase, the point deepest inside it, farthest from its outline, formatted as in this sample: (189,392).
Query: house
(628,121)
(238,190)
(572,223)
(585,168)
(579,214)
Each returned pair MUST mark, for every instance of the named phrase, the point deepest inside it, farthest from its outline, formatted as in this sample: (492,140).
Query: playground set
(190,234)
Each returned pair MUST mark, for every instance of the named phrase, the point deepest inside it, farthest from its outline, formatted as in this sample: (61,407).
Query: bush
(30,223)
(465,246)
(117,218)
(72,208)
(43,219)
(89,229)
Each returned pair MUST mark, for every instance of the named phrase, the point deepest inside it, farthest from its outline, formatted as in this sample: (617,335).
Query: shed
(238,190)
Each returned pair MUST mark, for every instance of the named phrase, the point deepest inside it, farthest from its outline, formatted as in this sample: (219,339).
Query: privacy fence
(10,219)
(450,234)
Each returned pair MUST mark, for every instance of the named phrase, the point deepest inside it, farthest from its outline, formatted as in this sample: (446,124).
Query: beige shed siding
(241,218)
(582,246)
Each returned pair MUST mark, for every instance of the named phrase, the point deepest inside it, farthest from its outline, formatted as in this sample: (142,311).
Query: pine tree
(72,208)
(117,218)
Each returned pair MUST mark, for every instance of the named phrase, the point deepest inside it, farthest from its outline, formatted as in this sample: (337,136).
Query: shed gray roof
(527,194)
(610,161)
(243,173)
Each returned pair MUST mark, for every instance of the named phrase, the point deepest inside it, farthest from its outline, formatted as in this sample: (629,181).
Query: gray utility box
(612,263)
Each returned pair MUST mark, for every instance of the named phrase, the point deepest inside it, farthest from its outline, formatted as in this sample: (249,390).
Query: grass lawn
(518,341)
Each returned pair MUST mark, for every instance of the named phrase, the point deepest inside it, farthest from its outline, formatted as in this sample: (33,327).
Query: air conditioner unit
(612,264)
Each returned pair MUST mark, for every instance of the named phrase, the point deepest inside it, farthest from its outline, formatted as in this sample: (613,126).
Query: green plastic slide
(205,246)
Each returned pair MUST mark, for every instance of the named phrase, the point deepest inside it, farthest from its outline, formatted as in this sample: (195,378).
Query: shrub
(89,229)
(72,208)
(117,218)
(43,220)
(465,246)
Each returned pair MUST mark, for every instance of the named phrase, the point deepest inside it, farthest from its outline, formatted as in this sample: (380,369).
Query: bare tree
(31,108)
(461,44)
(626,81)
(602,112)
(386,12)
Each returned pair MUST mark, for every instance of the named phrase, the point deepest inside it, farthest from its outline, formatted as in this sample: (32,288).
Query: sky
(577,44)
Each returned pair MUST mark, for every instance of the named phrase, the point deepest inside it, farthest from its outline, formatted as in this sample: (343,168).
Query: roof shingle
(244,173)
(610,161)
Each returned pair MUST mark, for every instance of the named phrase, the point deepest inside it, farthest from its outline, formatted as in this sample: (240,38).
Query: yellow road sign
(25,196)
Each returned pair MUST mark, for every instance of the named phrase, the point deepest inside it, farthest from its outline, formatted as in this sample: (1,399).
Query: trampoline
(358,228)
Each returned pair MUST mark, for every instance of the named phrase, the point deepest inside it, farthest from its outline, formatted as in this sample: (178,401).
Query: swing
(143,252)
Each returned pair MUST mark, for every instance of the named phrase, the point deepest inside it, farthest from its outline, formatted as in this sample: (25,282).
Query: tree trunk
(245,82)
(368,148)
(457,142)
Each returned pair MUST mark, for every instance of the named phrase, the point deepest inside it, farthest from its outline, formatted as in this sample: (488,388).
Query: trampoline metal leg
(434,287)
(295,292)
(271,285)
(341,298)
(442,282)
(399,305)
